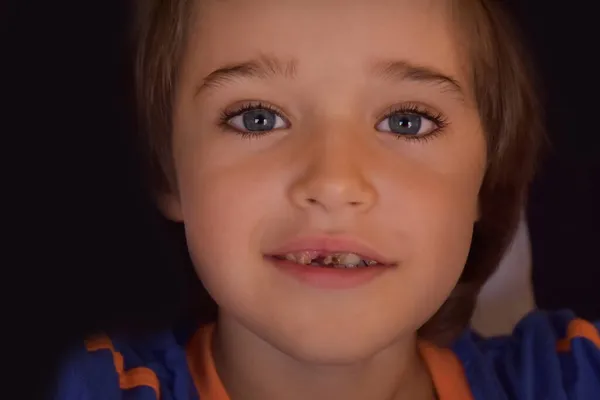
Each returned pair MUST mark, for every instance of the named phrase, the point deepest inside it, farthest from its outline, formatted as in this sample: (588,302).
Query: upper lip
(332,244)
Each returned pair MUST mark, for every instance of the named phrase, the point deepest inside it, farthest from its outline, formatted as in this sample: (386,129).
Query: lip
(331,244)
(328,278)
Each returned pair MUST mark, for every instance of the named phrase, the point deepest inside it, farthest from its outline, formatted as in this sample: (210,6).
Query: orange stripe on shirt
(579,328)
(446,371)
(202,366)
(135,377)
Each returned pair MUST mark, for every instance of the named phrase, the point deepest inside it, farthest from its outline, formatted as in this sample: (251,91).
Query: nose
(335,177)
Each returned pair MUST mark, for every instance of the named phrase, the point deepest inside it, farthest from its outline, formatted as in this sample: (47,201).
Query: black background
(84,249)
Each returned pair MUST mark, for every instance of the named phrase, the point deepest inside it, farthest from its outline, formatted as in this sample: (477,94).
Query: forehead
(324,37)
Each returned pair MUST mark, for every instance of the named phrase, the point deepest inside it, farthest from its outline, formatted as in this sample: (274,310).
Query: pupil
(405,124)
(259,120)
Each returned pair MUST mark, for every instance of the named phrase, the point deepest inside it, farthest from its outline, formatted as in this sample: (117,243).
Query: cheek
(434,213)
(446,210)
(224,208)
(443,234)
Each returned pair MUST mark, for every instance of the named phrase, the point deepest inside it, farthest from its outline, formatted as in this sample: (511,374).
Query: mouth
(330,262)
(330,265)
(330,252)
(329,259)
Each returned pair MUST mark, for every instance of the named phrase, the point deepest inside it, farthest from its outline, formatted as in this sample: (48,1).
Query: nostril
(311,201)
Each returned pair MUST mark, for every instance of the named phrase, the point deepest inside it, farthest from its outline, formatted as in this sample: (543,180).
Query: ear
(170,206)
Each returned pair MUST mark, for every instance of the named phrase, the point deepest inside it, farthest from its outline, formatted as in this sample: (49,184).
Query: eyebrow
(266,67)
(399,70)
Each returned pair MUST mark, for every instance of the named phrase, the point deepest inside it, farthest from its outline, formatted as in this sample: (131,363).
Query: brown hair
(506,100)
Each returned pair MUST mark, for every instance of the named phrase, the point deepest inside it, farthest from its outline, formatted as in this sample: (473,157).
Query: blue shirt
(549,356)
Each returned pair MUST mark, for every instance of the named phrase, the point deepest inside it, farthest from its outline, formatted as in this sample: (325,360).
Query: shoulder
(548,356)
(114,367)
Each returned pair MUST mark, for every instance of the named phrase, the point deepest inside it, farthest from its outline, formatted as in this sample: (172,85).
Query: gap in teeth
(336,260)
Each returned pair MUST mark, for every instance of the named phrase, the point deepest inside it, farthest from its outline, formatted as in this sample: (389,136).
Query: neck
(250,369)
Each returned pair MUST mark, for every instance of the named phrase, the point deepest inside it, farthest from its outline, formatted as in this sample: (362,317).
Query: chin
(332,350)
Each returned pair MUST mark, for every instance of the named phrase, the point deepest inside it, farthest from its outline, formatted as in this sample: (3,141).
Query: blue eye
(408,124)
(256,120)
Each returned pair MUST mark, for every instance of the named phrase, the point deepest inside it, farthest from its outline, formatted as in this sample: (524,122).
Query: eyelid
(247,105)
(241,107)
(430,113)
(438,119)
(410,107)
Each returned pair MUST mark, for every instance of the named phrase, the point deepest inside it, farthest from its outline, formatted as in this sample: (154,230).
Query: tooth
(304,258)
(350,259)
(340,260)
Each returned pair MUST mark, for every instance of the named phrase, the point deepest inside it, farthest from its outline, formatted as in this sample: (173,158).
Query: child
(349,174)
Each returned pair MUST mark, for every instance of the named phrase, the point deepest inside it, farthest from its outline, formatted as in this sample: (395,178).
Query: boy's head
(403,129)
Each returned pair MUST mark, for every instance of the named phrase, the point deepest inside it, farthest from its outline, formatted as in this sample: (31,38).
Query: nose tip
(330,192)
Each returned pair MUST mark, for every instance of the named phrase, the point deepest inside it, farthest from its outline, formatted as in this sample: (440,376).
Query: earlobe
(170,207)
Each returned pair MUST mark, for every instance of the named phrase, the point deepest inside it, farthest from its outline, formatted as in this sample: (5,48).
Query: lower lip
(329,278)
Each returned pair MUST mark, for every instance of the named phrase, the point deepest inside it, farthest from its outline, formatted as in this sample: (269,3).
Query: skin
(329,168)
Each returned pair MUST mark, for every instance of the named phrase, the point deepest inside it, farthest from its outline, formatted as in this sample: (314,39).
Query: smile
(329,260)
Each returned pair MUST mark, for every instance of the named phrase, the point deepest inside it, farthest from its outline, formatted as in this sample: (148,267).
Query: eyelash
(439,119)
(409,108)
(226,115)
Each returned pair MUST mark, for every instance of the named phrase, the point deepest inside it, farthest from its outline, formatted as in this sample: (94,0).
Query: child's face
(356,133)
